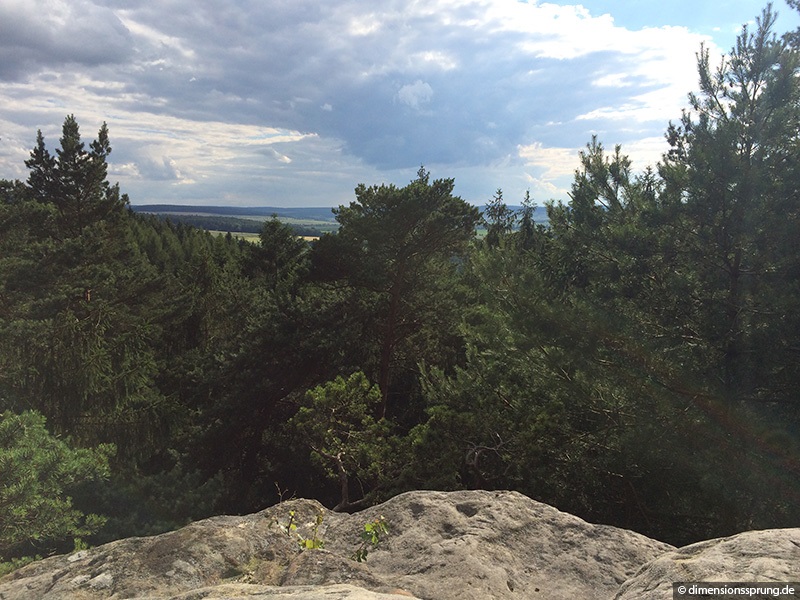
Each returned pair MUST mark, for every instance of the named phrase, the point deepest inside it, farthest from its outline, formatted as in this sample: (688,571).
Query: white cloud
(646,152)
(153,39)
(281,158)
(552,162)
(613,80)
(551,170)
(415,94)
(363,25)
(435,59)
(545,188)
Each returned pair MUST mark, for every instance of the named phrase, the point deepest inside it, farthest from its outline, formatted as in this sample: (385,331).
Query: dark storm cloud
(400,88)
(36,36)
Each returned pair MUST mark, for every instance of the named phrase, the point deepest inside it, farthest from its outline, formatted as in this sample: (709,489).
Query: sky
(295,102)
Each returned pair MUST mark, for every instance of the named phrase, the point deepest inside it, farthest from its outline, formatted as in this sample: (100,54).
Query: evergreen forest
(636,361)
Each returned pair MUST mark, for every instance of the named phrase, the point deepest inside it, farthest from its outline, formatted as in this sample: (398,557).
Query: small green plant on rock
(310,543)
(314,541)
(374,532)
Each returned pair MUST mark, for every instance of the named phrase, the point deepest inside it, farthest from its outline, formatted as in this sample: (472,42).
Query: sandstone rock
(290,592)
(478,545)
(464,545)
(772,556)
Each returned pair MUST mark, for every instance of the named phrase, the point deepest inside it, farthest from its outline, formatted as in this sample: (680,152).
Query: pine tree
(42,165)
(391,244)
(499,220)
(730,169)
(77,343)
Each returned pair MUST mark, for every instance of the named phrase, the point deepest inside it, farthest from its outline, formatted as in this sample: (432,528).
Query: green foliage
(394,248)
(314,542)
(38,471)
(17,563)
(78,335)
(75,180)
(104,318)
(499,220)
(281,256)
(731,164)
(374,533)
(338,424)
(138,503)
(311,543)
(629,366)
(531,408)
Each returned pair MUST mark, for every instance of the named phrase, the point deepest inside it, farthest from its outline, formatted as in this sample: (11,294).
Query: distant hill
(321,213)
(318,213)
(308,221)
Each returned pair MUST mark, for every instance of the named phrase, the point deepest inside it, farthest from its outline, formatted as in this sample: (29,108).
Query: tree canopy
(38,472)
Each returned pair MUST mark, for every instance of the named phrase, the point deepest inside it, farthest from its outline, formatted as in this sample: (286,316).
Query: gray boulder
(478,545)
(459,545)
(769,556)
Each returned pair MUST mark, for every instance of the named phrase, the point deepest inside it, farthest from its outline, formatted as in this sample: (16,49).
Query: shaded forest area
(636,362)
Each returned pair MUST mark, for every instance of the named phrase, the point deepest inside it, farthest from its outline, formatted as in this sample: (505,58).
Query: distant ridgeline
(312,221)
(309,221)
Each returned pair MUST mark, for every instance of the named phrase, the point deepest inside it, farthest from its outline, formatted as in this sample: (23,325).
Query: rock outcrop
(456,545)
(768,556)
(465,545)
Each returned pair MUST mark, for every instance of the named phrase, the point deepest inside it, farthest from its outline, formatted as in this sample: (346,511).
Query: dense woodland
(635,362)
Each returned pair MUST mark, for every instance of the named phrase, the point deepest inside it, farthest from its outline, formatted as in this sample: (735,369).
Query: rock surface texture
(768,556)
(473,545)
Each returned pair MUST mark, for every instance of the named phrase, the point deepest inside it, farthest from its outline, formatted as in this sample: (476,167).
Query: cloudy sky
(294,102)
